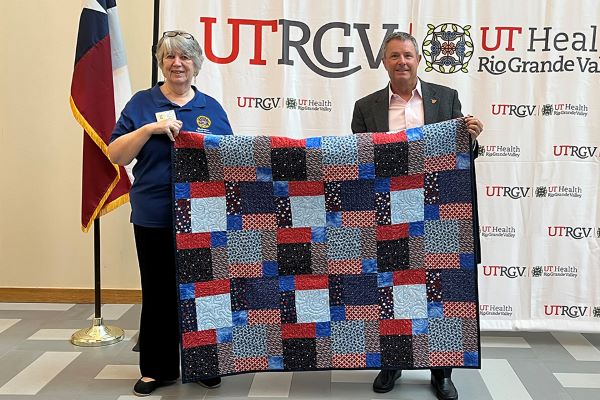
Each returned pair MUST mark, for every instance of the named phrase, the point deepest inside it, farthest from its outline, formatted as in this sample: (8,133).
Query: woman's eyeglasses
(177,33)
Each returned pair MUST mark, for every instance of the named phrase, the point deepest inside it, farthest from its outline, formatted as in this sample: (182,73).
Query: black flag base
(97,335)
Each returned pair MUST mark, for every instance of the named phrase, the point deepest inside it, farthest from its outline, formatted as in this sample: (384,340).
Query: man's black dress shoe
(444,388)
(143,389)
(210,383)
(385,380)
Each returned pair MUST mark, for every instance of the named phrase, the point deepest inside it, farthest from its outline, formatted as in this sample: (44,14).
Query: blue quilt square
(343,243)
(275,362)
(212,141)
(358,195)
(439,140)
(455,186)
(244,247)
(307,211)
(312,305)
(471,359)
(333,219)
(369,266)
(313,143)
(250,341)
(385,279)
(337,313)
(270,268)
(458,285)
(287,283)
(373,360)
(440,328)
(414,134)
(208,214)
(407,205)
(224,335)
(348,337)
(218,239)
(234,222)
(410,301)
(257,198)
(263,174)
(262,293)
(360,290)
(432,212)
(318,235)
(416,229)
(237,151)
(340,150)
(463,161)
(420,326)
(382,185)
(366,171)
(187,291)
(213,311)
(323,329)
(280,188)
(435,310)
(440,236)
(182,191)
(240,318)
(467,261)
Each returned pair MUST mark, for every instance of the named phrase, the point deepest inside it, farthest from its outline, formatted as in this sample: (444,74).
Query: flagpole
(154,41)
(98,334)
(154,79)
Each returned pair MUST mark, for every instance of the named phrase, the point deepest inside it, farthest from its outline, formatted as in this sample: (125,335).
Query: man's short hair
(399,36)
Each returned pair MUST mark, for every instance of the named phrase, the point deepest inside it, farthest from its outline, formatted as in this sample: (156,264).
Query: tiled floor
(38,362)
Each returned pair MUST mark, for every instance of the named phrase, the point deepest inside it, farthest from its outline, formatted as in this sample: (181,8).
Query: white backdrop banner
(529,70)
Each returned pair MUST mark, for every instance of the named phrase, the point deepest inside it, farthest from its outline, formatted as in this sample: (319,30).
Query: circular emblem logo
(203,121)
(447,48)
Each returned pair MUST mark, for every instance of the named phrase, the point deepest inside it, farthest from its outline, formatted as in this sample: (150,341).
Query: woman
(148,124)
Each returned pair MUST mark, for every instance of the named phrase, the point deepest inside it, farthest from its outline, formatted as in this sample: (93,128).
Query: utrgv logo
(504,271)
(516,192)
(447,48)
(570,311)
(577,232)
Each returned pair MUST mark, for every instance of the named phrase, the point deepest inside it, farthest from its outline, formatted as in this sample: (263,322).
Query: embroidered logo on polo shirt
(203,121)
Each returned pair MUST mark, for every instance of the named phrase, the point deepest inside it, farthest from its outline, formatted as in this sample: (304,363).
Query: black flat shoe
(444,387)
(385,380)
(143,389)
(210,383)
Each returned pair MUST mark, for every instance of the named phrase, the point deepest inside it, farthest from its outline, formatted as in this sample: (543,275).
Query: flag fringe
(101,208)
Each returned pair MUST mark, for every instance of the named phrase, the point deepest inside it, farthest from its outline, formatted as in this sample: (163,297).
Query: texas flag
(99,90)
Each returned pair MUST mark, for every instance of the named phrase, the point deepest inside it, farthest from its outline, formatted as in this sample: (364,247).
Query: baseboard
(81,296)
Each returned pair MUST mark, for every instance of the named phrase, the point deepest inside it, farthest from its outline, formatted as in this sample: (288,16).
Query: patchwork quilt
(334,252)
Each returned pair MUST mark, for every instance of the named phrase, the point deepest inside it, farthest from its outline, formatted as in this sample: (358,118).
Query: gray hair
(399,36)
(186,46)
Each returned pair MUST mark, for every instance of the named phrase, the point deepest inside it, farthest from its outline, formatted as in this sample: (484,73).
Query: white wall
(41,243)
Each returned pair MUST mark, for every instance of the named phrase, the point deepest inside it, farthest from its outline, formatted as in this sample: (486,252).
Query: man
(409,102)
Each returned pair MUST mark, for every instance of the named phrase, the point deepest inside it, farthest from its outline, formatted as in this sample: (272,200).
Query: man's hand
(474,126)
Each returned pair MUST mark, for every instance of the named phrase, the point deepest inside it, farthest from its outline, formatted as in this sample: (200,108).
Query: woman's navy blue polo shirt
(150,195)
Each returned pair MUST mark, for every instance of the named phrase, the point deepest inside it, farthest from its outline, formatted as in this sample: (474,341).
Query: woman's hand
(169,127)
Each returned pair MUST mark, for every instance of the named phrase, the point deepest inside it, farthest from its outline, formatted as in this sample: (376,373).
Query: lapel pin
(433,101)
